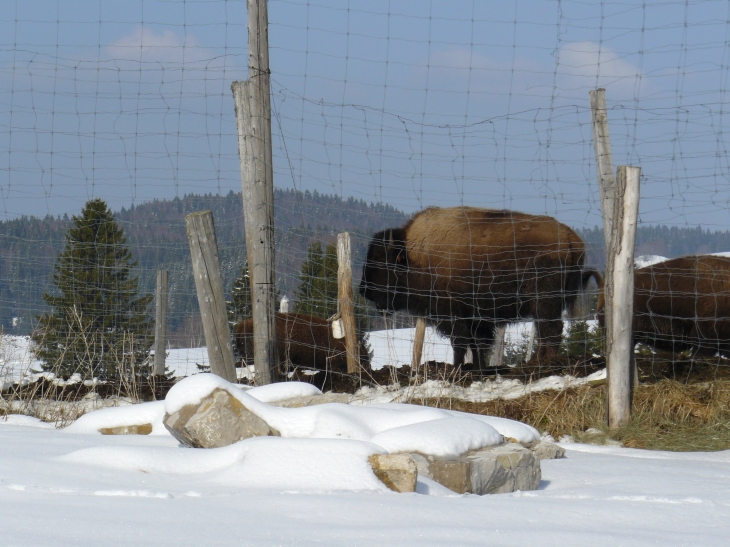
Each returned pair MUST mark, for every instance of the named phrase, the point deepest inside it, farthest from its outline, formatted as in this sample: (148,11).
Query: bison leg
(549,335)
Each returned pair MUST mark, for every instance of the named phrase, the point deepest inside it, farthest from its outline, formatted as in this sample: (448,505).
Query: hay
(667,415)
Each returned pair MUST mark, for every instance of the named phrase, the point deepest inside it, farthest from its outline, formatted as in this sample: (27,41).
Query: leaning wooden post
(620,295)
(604,161)
(418,338)
(209,286)
(160,323)
(346,302)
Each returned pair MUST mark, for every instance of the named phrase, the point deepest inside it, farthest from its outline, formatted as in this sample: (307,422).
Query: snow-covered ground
(62,488)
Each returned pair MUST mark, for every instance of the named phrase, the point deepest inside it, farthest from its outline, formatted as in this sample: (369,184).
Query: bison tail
(579,288)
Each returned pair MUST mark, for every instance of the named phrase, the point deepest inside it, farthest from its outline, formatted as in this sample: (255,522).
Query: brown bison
(305,340)
(469,270)
(682,304)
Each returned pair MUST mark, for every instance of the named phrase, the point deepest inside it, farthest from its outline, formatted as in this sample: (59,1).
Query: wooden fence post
(209,286)
(620,295)
(418,338)
(497,356)
(604,161)
(346,302)
(160,323)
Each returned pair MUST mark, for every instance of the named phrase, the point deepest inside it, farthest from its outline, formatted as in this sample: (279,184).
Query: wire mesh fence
(380,110)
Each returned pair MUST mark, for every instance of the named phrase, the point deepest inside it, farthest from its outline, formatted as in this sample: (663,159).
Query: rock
(218,420)
(311,400)
(495,470)
(547,451)
(397,471)
(142,429)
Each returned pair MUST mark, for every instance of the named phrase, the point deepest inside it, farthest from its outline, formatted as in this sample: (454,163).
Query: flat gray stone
(494,470)
(218,420)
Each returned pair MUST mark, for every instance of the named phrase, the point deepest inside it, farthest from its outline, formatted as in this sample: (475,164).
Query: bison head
(384,275)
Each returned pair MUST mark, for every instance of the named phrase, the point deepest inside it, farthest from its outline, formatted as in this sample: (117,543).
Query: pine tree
(239,306)
(317,291)
(99,324)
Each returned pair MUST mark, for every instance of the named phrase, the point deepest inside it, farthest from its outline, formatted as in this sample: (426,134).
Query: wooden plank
(160,323)
(620,348)
(209,287)
(346,302)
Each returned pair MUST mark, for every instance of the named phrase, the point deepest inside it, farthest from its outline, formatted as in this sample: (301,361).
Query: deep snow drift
(61,488)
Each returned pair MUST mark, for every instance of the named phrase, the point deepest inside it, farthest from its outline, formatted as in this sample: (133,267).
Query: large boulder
(494,470)
(219,419)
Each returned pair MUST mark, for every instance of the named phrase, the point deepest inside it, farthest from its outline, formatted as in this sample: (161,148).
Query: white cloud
(145,45)
(590,65)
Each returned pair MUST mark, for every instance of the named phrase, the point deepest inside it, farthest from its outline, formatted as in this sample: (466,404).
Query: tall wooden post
(209,286)
(346,302)
(253,116)
(418,338)
(604,161)
(619,289)
(160,323)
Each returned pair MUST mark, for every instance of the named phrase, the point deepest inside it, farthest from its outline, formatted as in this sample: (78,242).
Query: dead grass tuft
(667,415)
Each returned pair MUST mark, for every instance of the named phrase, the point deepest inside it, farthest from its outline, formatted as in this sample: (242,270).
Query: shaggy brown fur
(469,269)
(682,304)
(305,340)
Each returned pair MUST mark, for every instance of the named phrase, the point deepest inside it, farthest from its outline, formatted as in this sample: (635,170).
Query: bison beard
(682,304)
(468,270)
(305,340)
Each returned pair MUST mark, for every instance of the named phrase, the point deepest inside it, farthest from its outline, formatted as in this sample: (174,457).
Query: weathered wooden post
(346,302)
(209,286)
(497,356)
(160,323)
(253,117)
(418,338)
(620,295)
(604,161)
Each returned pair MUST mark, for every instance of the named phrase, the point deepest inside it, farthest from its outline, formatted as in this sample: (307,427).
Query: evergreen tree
(239,306)
(317,291)
(99,325)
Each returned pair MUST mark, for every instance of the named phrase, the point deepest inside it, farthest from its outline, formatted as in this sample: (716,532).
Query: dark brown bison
(305,340)
(468,270)
(682,304)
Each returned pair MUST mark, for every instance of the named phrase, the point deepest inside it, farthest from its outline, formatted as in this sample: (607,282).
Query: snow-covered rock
(396,471)
(495,470)
(218,420)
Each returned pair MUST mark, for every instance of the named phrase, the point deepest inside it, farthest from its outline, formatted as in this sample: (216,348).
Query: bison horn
(390,242)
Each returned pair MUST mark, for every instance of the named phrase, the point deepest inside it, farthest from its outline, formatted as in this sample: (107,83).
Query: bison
(304,340)
(682,304)
(468,270)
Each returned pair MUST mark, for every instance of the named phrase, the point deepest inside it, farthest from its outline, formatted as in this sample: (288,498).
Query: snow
(144,413)
(445,437)
(648,260)
(58,488)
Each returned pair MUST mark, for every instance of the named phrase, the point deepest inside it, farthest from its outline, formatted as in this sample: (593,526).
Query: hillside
(157,237)
(156,234)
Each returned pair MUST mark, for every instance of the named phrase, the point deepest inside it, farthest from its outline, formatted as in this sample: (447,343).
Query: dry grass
(667,415)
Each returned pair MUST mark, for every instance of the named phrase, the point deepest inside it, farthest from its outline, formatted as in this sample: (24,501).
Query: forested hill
(157,237)
(156,234)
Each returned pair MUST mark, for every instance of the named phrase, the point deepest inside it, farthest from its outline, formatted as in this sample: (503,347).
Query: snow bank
(262,462)
(139,414)
(26,421)
(648,260)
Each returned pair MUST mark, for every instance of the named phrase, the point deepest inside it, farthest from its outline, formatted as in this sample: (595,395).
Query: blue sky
(415,103)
